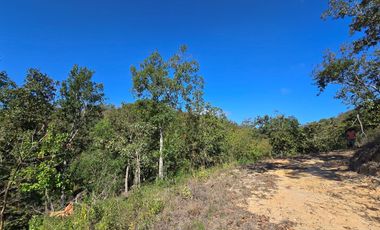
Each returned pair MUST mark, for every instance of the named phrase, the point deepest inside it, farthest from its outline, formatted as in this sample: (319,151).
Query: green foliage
(245,145)
(356,68)
(211,138)
(137,211)
(369,114)
(186,193)
(325,135)
(26,112)
(175,82)
(75,148)
(168,85)
(34,142)
(39,177)
(98,172)
(358,76)
(6,87)
(80,106)
(284,133)
(365,17)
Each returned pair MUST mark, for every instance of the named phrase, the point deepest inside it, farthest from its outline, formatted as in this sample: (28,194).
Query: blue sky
(256,56)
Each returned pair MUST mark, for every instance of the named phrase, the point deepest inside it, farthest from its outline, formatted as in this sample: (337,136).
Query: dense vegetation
(57,146)
(59,141)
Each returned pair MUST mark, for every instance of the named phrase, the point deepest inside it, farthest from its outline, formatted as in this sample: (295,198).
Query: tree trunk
(161,160)
(137,171)
(63,195)
(361,125)
(126,180)
(2,220)
(48,202)
(5,198)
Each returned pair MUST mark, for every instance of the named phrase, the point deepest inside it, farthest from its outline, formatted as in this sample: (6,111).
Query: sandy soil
(317,193)
(307,192)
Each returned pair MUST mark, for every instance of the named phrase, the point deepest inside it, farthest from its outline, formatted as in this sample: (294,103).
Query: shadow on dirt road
(317,192)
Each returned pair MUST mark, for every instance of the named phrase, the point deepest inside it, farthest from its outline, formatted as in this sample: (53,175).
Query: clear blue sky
(256,56)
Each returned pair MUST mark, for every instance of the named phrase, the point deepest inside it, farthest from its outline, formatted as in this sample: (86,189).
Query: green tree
(245,144)
(80,107)
(26,113)
(131,124)
(120,145)
(358,76)
(172,84)
(365,17)
(356,67)
(98,169)
(6,86)
(211,137)
(284,133)
(325,135)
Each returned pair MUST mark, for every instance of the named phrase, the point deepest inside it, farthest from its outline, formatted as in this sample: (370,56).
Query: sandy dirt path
(305,192)
(315,193)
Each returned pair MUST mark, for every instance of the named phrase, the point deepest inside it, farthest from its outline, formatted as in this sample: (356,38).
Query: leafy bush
(284,133)
(244,145)
(136,211)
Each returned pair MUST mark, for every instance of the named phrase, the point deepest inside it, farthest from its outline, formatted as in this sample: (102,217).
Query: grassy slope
(140,210)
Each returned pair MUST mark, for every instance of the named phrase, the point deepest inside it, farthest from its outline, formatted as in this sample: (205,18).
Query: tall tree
(80,107)
(80,103)
(172,84)
(365,17)
(26,112)
(356,68)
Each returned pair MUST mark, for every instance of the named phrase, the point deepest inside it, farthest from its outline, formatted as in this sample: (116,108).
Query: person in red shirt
(351,137)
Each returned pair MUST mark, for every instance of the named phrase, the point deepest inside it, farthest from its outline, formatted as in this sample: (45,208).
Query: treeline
(59,140)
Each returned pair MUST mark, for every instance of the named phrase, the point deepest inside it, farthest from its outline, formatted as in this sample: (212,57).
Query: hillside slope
(367,159)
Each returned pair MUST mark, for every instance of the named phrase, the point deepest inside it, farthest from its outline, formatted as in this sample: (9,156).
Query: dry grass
(215,203)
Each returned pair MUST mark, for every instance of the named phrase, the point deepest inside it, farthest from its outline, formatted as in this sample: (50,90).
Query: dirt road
(307,192)
(317,193)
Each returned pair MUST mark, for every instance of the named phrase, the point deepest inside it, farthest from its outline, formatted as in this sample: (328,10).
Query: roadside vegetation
(60,143)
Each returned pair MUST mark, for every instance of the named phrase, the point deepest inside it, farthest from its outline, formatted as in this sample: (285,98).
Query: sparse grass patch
(197,225)
(186,193)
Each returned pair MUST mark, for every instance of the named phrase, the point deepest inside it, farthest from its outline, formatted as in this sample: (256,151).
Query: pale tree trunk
(48,202)
(2,212)
(161,160)
(137,180)
(63,195)
(126,180)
